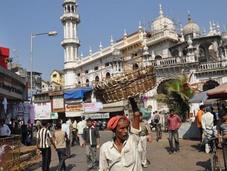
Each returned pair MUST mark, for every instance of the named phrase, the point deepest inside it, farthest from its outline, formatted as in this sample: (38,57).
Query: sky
(99,20)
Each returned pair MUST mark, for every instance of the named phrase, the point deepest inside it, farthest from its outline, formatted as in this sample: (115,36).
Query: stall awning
(199,97)
(218,92)
(76,93)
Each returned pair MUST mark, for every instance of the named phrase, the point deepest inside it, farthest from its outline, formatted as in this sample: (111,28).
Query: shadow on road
(197,147)
(204,164)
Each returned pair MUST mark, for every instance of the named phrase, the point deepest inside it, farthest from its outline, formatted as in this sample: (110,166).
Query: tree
(176,93)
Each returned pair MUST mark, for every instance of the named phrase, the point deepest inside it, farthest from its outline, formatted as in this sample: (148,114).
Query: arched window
(158,57)
(135,66)
(202,54)
(97,79)
(175,53)
(107,75)
(185,51)
(72,8)
(87,82)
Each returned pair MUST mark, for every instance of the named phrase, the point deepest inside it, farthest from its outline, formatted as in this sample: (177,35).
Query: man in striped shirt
(44,138)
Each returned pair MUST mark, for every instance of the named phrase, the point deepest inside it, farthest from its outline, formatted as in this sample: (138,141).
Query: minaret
(70,19)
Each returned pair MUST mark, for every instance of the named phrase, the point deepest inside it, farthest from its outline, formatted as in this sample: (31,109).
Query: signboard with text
(92,107)
(73,107)
(58,104)
(42,110)
(98,116)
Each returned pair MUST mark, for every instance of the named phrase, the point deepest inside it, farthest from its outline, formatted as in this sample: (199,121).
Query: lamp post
(33,35)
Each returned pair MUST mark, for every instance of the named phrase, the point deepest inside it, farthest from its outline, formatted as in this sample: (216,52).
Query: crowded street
(113,86)
(189,158)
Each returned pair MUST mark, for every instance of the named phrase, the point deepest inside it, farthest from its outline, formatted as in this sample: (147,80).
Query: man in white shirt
(4,129)
(66,128)
(74,132)
(80,126)
(123,153)
(208,126)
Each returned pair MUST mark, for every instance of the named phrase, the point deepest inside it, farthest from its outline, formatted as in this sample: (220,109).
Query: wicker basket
(128,84)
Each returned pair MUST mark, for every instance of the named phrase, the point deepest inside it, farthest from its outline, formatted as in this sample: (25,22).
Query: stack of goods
(14,156)
(128,84)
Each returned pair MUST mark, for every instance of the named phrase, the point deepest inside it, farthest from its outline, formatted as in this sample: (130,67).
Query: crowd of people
(212,125)
(126,151)
(128,148)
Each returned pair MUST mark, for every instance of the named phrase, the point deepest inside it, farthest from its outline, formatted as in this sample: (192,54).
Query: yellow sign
(73,107)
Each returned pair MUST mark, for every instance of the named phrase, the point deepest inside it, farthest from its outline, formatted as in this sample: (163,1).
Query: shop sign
(54,115)
(92,107)
(98,116)
(42,110)
(58,104)
(73,107)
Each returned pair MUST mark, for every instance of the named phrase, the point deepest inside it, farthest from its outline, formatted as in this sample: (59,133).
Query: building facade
(201,55)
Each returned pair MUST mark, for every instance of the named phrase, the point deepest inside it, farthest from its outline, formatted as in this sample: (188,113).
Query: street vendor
(4,129)
(122,153)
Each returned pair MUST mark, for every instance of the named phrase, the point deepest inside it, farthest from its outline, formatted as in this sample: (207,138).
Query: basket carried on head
(128,84)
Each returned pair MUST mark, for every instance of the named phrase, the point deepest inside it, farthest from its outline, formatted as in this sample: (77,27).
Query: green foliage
(176,95)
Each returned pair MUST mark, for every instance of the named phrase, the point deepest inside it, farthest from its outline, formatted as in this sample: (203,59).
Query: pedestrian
(91,142)
(208,128)
(174,123)
(223,136)
(80,126)
(199,121)
(66,128)
(123,152)
(24,133)
(158,126)
(44,138)
(145,135)
(60,139)
(74,133)
(4,129)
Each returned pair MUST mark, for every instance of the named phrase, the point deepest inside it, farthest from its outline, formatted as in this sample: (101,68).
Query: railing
(168,61)
(211,66)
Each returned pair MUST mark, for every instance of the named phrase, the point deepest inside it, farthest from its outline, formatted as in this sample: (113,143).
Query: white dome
(162,23)
(191,27)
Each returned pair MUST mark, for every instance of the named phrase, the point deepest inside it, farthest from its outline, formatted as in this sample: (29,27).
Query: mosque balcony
(170,61)
(67,41)
(161,35)
(212,66)
(164,62)
(70,17)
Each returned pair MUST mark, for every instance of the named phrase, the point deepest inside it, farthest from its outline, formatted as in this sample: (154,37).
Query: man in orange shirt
(199,120)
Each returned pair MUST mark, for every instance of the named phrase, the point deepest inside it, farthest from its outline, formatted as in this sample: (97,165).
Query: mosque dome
(162,22)
(191,27)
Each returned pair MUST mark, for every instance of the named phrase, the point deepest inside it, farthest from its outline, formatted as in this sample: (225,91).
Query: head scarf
(112,123)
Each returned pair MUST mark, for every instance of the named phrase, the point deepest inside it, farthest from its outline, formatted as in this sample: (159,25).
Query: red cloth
(4,55)
(174,122)
(112,123)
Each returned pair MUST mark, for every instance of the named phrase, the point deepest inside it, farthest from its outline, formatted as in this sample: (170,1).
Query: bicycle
(214,161)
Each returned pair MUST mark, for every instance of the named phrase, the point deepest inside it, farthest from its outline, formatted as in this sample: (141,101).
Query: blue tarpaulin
(77,93)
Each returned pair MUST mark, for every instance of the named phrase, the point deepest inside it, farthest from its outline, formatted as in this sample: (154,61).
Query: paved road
(188,159)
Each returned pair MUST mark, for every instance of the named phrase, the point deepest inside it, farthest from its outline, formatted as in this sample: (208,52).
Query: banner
(92,107)
(98,116)
(58,104)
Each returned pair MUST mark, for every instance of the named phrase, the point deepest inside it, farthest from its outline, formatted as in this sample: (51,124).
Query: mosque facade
(200,55)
